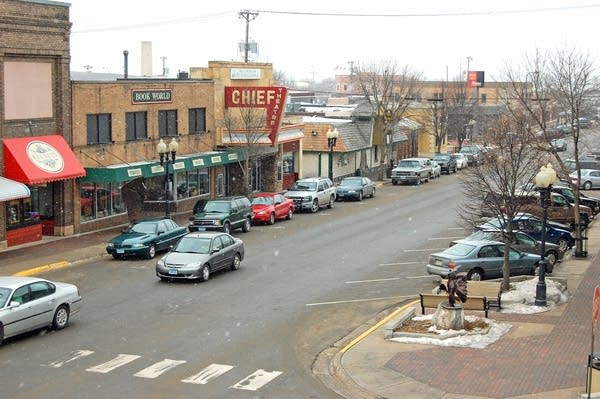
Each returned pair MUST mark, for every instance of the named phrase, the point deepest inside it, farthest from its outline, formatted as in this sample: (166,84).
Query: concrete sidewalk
(544,355)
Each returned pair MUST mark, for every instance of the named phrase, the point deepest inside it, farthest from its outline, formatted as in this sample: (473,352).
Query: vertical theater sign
(270,98)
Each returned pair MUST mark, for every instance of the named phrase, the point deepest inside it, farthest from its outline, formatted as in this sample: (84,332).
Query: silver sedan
(30,303)
(197,255)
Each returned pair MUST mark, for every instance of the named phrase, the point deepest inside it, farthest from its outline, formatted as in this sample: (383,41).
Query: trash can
(357,172)
(593,375)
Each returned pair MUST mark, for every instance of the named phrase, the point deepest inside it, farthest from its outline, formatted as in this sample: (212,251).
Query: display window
(100,200)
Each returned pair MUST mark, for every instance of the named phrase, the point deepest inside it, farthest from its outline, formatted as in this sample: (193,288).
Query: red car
(268,207)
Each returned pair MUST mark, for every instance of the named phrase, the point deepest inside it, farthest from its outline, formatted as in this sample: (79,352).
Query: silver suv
(312,193)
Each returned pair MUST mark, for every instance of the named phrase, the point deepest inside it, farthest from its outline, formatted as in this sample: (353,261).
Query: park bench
(473,302)
(489,289)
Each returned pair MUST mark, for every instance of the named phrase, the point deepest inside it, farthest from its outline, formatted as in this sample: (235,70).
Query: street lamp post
(543,181)
(332,136)
(161,148)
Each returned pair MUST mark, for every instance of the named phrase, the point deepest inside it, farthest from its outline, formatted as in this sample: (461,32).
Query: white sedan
(461,160)
(31,303)
(436,168)
(590,178)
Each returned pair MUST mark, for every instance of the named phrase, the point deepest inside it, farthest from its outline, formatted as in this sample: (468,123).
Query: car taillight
(451,265)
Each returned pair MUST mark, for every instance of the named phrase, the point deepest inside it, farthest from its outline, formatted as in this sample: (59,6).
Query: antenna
(248,16)
(164,69)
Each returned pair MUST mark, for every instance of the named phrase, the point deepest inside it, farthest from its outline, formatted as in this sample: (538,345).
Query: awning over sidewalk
(10,190)
(129,171)
(40,159)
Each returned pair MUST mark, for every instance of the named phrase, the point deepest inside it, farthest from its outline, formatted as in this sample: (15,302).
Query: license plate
(173,271)
(120,251)
(437,262)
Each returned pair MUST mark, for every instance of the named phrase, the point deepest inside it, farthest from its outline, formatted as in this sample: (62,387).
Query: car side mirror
(159,232)
(14,304)
(214,250)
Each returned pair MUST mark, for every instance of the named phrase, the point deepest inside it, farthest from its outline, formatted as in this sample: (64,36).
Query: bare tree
(493,188)
(562,82)
(460,110)
(389,91)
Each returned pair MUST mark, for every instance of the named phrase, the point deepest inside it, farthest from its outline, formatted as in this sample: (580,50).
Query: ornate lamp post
(543,181)
(332,136)
(161,148)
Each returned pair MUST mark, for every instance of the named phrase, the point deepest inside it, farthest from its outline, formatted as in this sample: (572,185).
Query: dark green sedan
(145,238)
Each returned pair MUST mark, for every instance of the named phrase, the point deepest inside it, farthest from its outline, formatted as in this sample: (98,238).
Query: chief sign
(271,98)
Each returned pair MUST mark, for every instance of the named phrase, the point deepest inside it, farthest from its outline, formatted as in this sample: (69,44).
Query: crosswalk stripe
(256,380)
(70,357)
(159,368)
(208,373)
(118,361)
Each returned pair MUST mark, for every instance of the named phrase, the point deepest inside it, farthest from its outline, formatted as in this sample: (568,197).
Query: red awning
(40,159)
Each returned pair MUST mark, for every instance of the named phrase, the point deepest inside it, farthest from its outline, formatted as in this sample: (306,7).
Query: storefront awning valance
(40,159)
(130,171)
(10,190)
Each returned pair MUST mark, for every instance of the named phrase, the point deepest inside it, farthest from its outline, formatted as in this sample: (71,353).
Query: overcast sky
(314,39)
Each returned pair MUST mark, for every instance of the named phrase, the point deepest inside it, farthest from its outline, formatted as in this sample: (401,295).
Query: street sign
(596,304)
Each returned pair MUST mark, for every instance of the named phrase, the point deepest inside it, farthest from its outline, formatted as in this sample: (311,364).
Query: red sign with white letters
(272,98)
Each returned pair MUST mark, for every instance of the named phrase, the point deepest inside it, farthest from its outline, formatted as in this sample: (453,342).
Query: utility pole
(248,16)
(164,69)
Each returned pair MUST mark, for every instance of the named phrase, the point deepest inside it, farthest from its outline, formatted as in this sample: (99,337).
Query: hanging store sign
(151,96)
(475,79)
(271,98)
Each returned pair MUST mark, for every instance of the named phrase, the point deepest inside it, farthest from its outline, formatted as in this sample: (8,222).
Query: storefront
(48,167)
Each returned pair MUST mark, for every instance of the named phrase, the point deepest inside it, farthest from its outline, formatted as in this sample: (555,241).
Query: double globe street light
(332,136)
(165,161)
(543,181)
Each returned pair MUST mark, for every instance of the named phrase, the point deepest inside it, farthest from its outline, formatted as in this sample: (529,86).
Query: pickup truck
(559,209)
(412,170)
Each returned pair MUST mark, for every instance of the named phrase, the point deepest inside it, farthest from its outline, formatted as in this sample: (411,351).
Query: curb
(43,268)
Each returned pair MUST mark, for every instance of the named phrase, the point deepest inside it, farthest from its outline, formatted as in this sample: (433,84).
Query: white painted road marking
(256,380)
(373,281)
(158,368)
(118,361)
(445,238)
(208,373)
(360,300)
(424,250)
(71,357)
(398,264)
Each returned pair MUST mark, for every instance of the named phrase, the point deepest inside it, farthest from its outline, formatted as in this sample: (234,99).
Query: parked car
(585,163)
(31,303)
(532,225)
(461,160)
(355,188)
(436,169)
(558,209)
(559,144)
(567,192)
(523,242)
(411,170)
(447,163)
(222,214)
(312,193)
(473,153)
(590,178)
(145,238)
(269,207)
(198,255)
(481,260)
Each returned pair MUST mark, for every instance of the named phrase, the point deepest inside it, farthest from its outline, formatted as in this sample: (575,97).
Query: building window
(197,118)
(167,123)
(136,126)
(99,127)
(193,183)
(100,200)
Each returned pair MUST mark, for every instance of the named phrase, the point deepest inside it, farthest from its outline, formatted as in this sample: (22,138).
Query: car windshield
(216,206)
(194,245)
(145,228)
(409,164)
(459,249)
(351,182)
(4,294)
(441,158)
(484,235)
(262,200)
(304,186)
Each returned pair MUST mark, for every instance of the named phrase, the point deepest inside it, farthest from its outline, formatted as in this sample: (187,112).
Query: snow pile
(521,297)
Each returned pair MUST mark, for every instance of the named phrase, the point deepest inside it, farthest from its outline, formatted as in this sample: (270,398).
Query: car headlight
(307,199)
(161,262)
(261,212)
(138,245)
(111,245)
(351,191)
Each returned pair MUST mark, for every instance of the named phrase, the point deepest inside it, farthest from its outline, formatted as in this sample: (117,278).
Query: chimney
(146,59)
(125,65)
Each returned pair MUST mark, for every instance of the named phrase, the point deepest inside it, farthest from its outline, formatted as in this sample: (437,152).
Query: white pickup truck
(412,170)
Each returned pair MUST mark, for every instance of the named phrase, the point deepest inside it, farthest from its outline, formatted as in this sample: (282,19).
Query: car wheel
(1,334)
(563,244)
(205,273)
(315,206)
(331,201)
(360,196)
(61,317)
(373,193)
(290,214)
(151,252)
(551,257)
(248,225)
(116,256)
(237,260)
(227,228)
(475,275)
(272,218)
(587,185)
(418,181)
